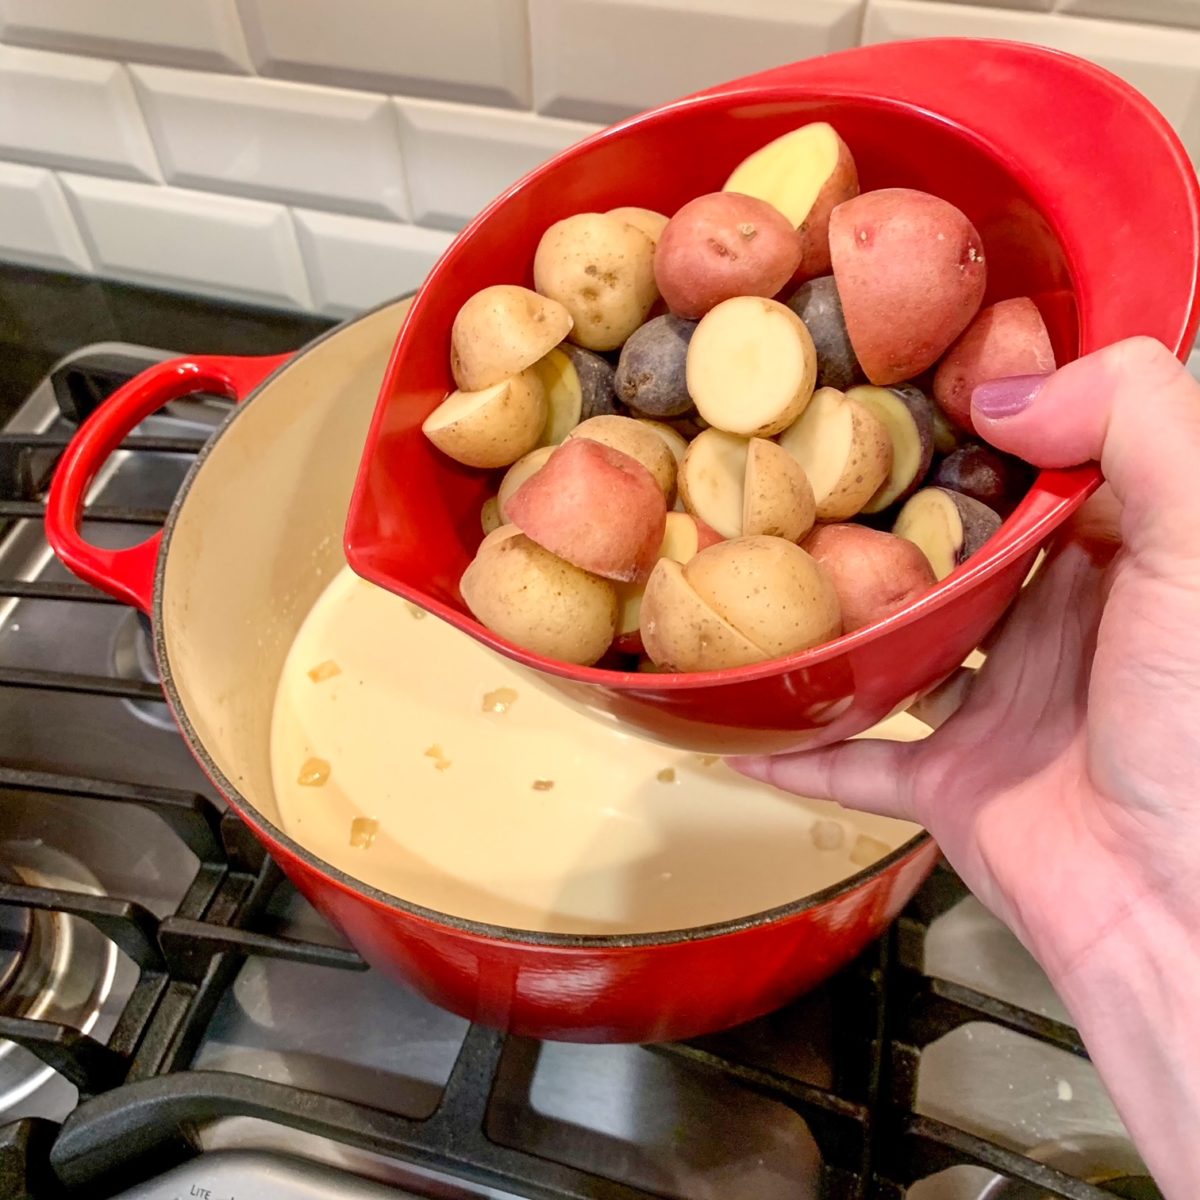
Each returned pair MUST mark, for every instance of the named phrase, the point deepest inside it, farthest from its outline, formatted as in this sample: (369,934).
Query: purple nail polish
(1007,397)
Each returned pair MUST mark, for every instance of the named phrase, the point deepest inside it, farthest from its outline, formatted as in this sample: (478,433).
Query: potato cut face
(564,396)
(461,406)
(822,440)
(790,171)
(931,521)
(912,446)
(713,480)
(751,366)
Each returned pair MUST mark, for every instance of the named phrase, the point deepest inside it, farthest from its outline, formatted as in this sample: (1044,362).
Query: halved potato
(770,591)
(845,452)
(527,595)
(636,439)
(778,500)
(948,526)
(907,414)
(751,366)
(683,633)
(492,427)
(564,397)
(805,174)
(489,515)
(525,467)
(712,480)
(502,330)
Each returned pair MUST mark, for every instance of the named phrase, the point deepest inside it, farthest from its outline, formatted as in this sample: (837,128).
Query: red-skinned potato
(517,474)
(639,441)
(683,538)
(805,174)
(593,507)
(874,574)
(1007,338)
(910,274)
(720,246)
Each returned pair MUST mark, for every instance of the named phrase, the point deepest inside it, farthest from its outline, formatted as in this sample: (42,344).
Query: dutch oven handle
(128,574)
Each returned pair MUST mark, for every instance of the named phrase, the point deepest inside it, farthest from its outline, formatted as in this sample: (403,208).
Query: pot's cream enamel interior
(612,847)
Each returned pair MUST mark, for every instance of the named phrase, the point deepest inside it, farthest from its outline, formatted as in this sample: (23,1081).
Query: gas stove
(176,1021)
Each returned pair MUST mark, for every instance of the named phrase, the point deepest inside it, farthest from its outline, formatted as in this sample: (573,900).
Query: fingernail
(1007,397)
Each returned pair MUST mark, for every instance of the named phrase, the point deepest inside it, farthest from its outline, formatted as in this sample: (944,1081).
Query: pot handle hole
(128,574)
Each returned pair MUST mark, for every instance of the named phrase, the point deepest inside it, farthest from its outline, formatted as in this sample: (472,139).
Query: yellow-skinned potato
(601,270)
(489,515)
(532,598)
(502,330)
(777,498)
(682,633)
(564,397)
(492,427)
(651,223)
(526,466)
(845,450)
(770,591)
(639,441)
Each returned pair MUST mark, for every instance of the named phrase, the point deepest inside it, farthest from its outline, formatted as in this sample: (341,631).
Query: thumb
(1133,408)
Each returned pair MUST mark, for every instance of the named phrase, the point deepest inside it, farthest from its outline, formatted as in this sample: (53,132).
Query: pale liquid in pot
(440,773)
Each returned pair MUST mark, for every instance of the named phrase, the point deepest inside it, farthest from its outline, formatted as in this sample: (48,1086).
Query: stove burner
(16,934)
(133,658)
(65,972)
(1107,1161)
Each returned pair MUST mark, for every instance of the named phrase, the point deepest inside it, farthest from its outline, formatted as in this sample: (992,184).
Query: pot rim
(269,831)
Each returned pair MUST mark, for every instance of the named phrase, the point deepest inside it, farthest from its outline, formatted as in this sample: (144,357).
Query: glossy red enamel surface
(1085,201)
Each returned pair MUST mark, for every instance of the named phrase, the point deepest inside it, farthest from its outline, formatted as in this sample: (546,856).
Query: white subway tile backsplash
(291,142)
(36,225)
(1162,63)
(58,110)
(459,157)
(191,241)
(183,33)
(1164,12)
(468,50)
(354,263)
(599,60)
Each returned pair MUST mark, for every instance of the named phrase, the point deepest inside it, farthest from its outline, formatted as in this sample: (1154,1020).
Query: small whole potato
(651,223)
(652,373)
(535,600)
(818,305)
(502,330)
(601,270)
(720,246)
(874,574)
(985,475)
(770,591)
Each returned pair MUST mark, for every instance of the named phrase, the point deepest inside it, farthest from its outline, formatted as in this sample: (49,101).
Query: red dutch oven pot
(255,533)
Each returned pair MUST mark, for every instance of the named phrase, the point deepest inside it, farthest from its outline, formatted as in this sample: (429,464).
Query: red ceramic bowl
(1085,200)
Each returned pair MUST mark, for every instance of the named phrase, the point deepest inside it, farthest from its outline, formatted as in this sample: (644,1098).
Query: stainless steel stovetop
(230,1019)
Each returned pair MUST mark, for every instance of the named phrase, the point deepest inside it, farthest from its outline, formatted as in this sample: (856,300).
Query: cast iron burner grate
(141,1106)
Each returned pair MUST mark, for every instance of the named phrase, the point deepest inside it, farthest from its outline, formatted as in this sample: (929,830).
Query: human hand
(1065,788)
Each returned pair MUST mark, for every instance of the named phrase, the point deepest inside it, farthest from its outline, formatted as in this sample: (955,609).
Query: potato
(651,223)
(751,367)
(594,507)
(639,442)
(817,304)
(652,373)
(496,536)
(676,442)
(521,470)
(845,451)
(910,274)
(489,515)
(1005,339)
(602,271)
(947,526)
(682,633)
(740,486)
(564,401)
(778,498)
(874,574)
(770,591)
(985,475)
(947,436)
(683,538)
(522,592)
(720,246)
(492,427)
(595,377)
(805,174)
(500,331)
(907,414)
